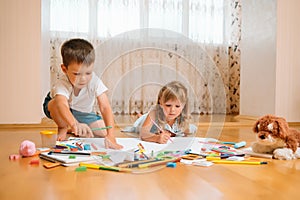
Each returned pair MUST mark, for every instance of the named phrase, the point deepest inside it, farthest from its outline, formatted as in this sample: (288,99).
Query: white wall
(258,57)
(270,65)
(20,61)
(45,67)
(288,60)
(270,58)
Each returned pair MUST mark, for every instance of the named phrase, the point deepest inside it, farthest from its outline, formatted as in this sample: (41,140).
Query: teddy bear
(274,136)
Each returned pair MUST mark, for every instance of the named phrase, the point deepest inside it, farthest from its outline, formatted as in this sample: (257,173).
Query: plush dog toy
(275,137)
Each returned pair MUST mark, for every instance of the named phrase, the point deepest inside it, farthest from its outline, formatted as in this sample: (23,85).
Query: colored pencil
(239,162)
(102,128)
(157,163)
(136,163)
(158,126)
(103,167)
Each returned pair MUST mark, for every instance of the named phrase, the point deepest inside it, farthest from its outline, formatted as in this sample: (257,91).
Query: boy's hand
(111,143)
(82,130)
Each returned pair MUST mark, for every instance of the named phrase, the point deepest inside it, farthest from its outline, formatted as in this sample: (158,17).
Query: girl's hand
(163,137)
(172,134)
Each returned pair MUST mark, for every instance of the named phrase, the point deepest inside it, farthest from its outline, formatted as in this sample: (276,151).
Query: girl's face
(172,108)
(79,75)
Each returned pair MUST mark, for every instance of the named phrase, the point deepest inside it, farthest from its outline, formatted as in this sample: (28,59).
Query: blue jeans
(81,117)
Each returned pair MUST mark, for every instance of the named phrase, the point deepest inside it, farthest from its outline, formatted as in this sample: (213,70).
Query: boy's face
(172,108)
(79,75)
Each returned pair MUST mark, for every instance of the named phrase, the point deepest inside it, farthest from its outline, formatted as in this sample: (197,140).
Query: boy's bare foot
(100,133)
(62,134)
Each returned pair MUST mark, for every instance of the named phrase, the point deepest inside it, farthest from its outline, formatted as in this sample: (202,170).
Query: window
(115,17)
(69,15)
(201,20)
(166,14)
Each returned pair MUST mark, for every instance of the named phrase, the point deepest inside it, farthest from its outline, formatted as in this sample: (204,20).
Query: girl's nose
(82,78)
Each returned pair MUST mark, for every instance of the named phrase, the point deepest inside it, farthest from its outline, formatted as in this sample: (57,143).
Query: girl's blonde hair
(172,91)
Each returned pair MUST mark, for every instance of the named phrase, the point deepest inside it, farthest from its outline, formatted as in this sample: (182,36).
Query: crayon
(94,146)
(81,169)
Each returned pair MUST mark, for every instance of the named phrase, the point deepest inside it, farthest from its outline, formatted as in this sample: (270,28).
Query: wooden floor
(276,180)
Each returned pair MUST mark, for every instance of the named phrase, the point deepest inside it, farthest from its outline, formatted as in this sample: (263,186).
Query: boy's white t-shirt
(86,98)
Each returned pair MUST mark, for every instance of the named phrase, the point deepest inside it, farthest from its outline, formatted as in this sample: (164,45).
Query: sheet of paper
(131,144)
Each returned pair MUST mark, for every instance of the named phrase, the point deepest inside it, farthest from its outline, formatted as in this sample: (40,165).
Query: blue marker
(239,144)
(171,164)
(86,147)
(232,143)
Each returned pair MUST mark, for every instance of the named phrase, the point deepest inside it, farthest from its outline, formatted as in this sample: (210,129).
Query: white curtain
(143,44)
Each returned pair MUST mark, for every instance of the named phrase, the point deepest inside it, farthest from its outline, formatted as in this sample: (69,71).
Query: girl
(169,117)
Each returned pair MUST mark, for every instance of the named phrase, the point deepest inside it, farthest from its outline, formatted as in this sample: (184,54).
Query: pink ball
(27,148)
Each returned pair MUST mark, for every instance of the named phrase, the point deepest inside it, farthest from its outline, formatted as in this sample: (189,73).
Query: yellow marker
(103,167)
(239,162)
(90,166)
(210,158)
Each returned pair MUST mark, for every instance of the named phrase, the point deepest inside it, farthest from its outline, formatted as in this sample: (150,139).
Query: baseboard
(255,118)
(24,126)
(294,124)
(246,117)
(238,121)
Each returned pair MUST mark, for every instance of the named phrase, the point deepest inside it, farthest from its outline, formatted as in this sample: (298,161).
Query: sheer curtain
(143,44)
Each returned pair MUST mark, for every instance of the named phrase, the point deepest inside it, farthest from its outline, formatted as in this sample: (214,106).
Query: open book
(68,159)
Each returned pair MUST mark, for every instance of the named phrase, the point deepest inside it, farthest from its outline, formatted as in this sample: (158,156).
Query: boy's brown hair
(78,51)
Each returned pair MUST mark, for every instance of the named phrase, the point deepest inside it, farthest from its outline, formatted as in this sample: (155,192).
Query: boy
(70,102)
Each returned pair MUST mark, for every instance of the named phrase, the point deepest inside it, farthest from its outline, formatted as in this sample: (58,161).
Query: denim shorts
(81,117)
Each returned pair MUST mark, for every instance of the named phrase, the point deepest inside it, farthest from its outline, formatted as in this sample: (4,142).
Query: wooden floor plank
(276,180)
